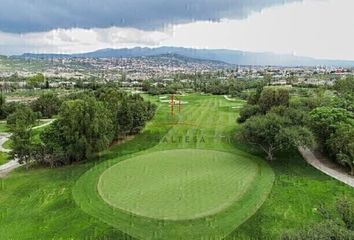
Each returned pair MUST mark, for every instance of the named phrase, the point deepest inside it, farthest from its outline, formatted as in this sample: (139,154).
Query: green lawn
(4,158)
(39,203)
(178,184)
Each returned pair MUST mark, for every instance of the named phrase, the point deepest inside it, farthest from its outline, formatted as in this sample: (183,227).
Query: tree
(21,123)
(2,109)
(297,117)
(23,117)
(22,145)
(47,104)
(272,97)
(341,145)
(83,129)
(36,80)
(8,108)
(344,86)
(254,97)
(273,133)
(248,111)
(112,99)
(325,119)
(268,78)
(124,118)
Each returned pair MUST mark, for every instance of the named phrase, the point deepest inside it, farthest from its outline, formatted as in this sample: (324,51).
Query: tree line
(206,83)
(86,124)
(274,121)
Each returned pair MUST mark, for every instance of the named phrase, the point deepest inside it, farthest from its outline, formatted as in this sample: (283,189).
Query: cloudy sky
(315,28)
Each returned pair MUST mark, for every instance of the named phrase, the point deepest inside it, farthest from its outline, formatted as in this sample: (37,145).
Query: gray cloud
(22,16)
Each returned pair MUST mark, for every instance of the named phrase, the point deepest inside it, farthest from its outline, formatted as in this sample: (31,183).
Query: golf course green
(177,184)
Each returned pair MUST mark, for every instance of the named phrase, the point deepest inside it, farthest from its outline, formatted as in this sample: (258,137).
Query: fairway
(191,184)
(177,184)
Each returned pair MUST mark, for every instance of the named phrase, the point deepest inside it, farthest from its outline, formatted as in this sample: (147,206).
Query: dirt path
(327,168)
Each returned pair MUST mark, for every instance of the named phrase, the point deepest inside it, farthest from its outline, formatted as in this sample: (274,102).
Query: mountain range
(233,57)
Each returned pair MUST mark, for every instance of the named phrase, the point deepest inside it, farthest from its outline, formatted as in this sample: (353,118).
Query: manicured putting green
(176,194)
(177,184)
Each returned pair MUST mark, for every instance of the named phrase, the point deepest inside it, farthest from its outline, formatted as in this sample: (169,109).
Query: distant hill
(228,56)
(177,59)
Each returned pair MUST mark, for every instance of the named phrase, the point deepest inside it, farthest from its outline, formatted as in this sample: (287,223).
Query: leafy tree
(112,99)
(21,123)
(23,117)
(82,129)
(47,104)
(2,104)
(268,78)
(344,86)
(146,86)
(345,101)
(248,111)
(36,80)
(272,97)
(325,119)
(9,108)
(273,133)
(296,116)
(341,145)
(124,118)
(253,99)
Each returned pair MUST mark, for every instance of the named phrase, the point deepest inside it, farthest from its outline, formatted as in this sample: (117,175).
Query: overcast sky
(315,28)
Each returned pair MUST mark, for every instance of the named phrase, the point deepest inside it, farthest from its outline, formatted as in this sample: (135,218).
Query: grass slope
(38,204)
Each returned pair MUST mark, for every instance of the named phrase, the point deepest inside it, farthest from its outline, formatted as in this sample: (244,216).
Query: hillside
(229,56)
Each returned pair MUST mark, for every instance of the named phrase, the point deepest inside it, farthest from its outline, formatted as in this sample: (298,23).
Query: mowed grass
(178,184)
(192,199)
(39,204)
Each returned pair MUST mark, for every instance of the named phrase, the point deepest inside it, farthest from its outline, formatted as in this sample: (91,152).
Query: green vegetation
(39,203)
(161,180)
(194,128)
(271,125)
(89,122)
(4,158)
(21,123)
(210,83)
(47,104)
(333,124)
(336,224)
(36,80)
(4,127)
(82,129)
